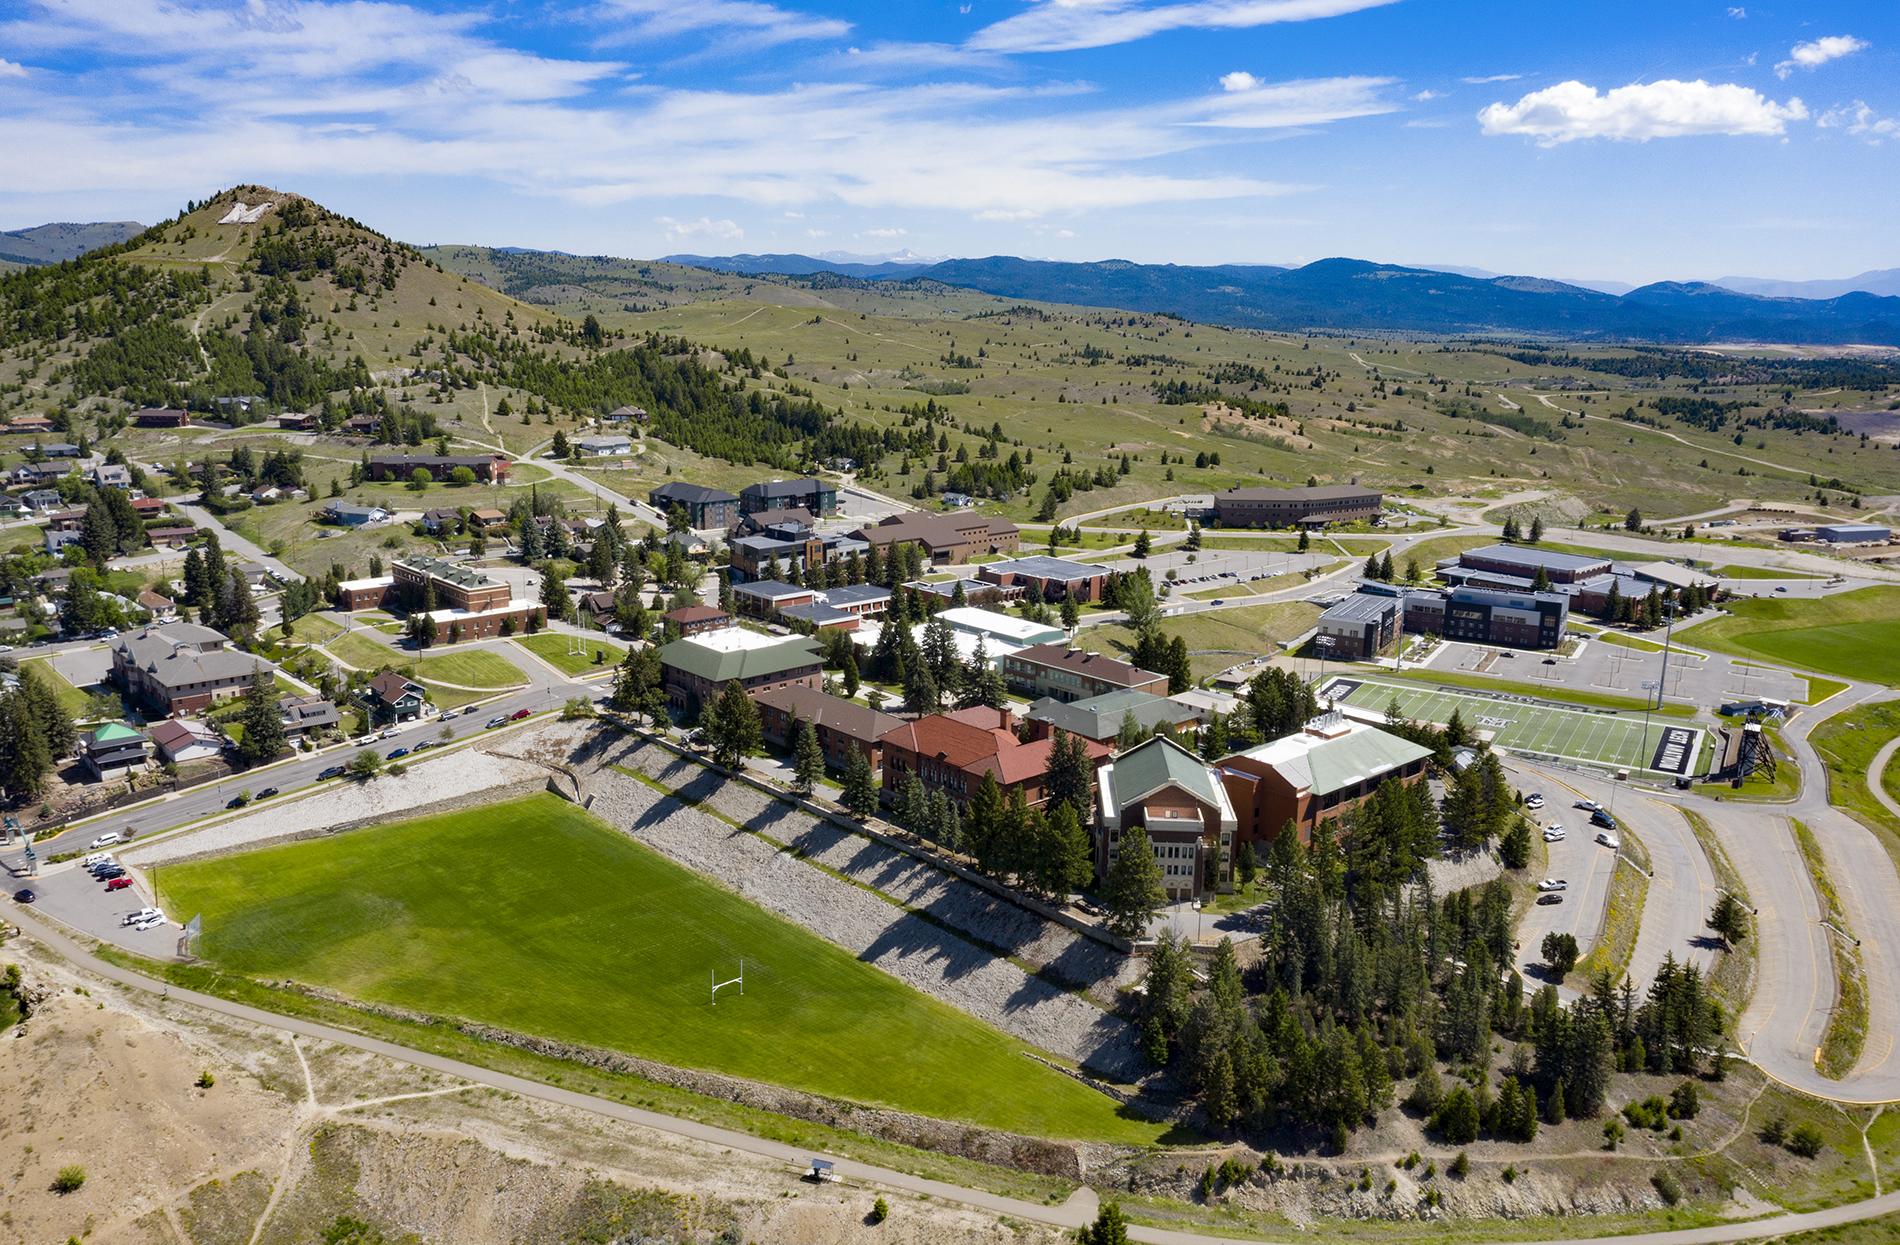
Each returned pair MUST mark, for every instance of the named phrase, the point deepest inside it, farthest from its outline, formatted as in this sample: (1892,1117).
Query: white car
(144,923)
(104,840)
(391,733)
(97,858)
(1553,833)
(1588,806)
(1535,800)
(450,714)
(1553,884)
(1609,840)
(143,914)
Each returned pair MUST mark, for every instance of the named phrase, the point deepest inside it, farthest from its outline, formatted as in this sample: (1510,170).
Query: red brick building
(950,752)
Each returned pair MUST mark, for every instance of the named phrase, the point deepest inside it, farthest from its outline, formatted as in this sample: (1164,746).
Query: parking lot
(1213,568)
(1705,681)
(70,894)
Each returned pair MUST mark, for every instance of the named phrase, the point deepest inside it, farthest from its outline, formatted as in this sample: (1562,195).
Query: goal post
(718,985)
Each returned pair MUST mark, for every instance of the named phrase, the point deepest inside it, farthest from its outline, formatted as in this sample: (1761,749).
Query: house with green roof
(114,750)
(1315,775)
(1181,804)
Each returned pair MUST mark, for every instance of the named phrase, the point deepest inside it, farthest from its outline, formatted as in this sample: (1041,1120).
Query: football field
(1535,727)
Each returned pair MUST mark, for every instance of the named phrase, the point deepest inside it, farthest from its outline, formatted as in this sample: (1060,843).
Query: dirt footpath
(290,1136)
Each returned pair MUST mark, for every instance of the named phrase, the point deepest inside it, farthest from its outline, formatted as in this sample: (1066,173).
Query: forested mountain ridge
(62,240)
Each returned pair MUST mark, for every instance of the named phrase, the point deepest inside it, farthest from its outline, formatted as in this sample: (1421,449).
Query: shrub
(69,1179)
(1612,1133)
(1685,1101)
(205,1080)
(1806,1141)
(1667,1187)
(1510,1175)
(1460,1166)
(1774,1132)
(880,1211)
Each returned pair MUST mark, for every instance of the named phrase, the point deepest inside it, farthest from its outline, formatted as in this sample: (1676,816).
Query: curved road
(1079,1209)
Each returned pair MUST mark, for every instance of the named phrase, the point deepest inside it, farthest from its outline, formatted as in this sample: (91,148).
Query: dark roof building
(1075,674)
(842,725)
(1314,505)
(818,496)
(1055,579)
(704,507)
(1100,717)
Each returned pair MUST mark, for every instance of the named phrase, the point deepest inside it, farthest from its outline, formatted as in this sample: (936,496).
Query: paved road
(1076,1211)
(233,542)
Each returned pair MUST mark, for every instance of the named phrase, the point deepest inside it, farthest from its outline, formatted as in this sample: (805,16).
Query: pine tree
(1133,892)
(808,759)
(733,726)
(263,725)
(1130,733)
(1066,858)
(860,786)
(1728,919)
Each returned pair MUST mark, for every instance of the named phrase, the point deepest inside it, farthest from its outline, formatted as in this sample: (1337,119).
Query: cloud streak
(1817,52)
(1072,25)
(1642,111)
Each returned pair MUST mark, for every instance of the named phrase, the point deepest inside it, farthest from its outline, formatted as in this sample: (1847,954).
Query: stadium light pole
(1644,754)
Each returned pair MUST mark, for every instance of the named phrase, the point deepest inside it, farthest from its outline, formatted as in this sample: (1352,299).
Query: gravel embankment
(914,950)
(988,919)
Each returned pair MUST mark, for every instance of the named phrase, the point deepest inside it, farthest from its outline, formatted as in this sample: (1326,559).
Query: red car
(519,714)
(118,884)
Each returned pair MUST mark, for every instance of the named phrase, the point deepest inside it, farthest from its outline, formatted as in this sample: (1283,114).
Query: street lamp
(1324,644)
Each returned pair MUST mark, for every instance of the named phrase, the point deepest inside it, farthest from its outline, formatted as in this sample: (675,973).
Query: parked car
(118,884)
(1588,806)
(237,801)
(448,714)
(519,714)
(268,792)
(335,771)
(496,721)
(107,875)
(427,743)
(1609,840)
(104,840)
(1549,899)
(388,734)
(1550,661)
(1553,833)
(94,859)
(397,754)
(24,895)
(1534,801)
(1600,816)
(149,922)
(1553,884)
(103,863)
(133,918)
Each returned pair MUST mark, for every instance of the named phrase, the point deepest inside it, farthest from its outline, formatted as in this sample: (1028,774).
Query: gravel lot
(908,947)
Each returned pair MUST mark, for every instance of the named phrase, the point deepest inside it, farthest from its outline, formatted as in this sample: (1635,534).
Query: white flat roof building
(739,640)
(1001,628)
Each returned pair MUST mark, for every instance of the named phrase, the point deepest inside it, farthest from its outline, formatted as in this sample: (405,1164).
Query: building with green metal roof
(1183,807)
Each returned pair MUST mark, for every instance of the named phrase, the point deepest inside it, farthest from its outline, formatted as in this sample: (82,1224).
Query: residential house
(303,714)
(696,619)
(174,668)
(148,507)
(1171,795)
(1315,775)
(1100,717)
(442,521)
(171,537)
(1075,674)
(951,752)
(113,750)
(162,417)
(28,423)
(353,514)
(704,507)
(486,517)
(393,698)
(818,496)
(696,669)
(297,421)
(180,741)
(43,499)
(159,607)
(843,726)
(626,414)
(110,475)
(608,445)
(947,538)
(62,449)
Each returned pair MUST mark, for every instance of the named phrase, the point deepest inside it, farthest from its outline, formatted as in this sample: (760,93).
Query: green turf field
(1595,738)
(1854,634)
(474,667)
(535,917)
(552,647)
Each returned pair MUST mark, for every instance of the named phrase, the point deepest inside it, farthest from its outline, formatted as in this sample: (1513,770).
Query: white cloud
(757,24)
(1069,25)
(1737,12)
(719,230)
(11,69)
(1488,79)
(1239,80)
(1641,111)
(1279,105)
(1426,96)
(885,233)
(1817,52)
(1861,121)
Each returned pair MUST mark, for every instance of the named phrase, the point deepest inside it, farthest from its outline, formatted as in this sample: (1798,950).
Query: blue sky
(1592,139)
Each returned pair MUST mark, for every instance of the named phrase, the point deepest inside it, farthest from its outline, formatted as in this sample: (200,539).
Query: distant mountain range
(866,267)
(1879,281)
(49,244)
(1352,294)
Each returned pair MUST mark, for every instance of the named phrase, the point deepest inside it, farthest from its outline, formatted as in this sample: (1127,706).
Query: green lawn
(362,652)
(535,917)
(315,629)
(77,702)
(1846,744)
(1216,639)
(553,649)
(471,668)
(1855,635)
(1758,572)
(1542,689)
